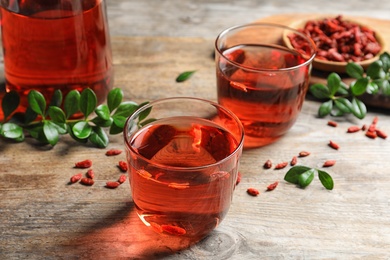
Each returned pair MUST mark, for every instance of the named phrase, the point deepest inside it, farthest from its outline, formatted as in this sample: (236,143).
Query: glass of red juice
(261,80)
(56,44)
(183,164)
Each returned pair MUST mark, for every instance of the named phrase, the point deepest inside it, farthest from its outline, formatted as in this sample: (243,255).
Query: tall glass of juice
(183,163)
(56,44)
(261,79)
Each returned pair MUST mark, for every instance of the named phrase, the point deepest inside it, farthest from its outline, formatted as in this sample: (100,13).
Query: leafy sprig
(343,99)
(303,176)
(47,122)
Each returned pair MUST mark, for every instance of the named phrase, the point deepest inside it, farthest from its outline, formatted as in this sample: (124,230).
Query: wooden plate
(333,66)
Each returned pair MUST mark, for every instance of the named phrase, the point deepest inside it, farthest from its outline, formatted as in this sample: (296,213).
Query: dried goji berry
(113,152)
(304,154)
(371,128)
(294,161)
(179,186)
(75,178)
(239,86)
(252,191)
(329,163)
(144,173)
(122,165)
(112,184)
(156,227)
(332,123)
(267,164)
(364,127)
(281,165)
(381,134)
(174,230)
(83,164)
(122,178)
(90,174)
(238,178)
(87,181)
(353,129)
(272,186)
(334,145)
(371,135)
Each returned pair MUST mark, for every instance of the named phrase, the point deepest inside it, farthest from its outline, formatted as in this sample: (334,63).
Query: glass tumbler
(183,162)
(261,79)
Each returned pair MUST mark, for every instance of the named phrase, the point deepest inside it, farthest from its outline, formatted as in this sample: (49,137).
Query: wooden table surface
(42,217)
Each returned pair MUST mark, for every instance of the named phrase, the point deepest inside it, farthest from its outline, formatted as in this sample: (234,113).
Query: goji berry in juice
(267,102)
(49,46)
(165,192)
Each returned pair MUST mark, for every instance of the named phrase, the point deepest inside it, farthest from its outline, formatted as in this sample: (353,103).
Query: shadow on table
(123,235)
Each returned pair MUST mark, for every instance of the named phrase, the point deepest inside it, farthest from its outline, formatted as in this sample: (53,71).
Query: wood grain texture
(43,217)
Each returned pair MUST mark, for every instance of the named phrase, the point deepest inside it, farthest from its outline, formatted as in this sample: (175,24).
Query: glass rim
(128,137)
(258,24)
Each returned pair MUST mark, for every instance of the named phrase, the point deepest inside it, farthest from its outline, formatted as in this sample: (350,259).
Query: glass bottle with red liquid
(56,44)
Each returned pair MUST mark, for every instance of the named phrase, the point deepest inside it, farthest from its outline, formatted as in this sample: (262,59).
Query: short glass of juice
(183,155)
(261,79)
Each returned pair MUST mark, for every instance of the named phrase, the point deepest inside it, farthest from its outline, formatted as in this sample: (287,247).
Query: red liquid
(194,201)
(269,102)
(57,44)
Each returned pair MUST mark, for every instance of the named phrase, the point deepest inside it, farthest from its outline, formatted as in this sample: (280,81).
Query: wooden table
(42,217)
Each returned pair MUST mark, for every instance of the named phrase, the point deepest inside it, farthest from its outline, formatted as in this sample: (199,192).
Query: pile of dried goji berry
(339,40)
(88,180)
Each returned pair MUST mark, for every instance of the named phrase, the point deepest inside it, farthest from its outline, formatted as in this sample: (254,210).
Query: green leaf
(320,91)
(386,88)
(10,103)
(29,116)
(103,112)
(306,178)
(358,108)
(185,76)
(70,131)
(359,87)
(144,114)
(343,89)
(126,109)
(119,121)
(114,98)
(114,129)
(37,102)
(343,104)
(325,108)
(373,86)
(56,99)
(82,129)
(35,130)
(102,123)
(147,121)
(293,174)
(12,131)
(325,179)
(88,102)
(61,128)
(51,133)
(354,70)
(336,112)
(375,70)
(72,103)
(56,115)
(333,82)
(98,137)
(385,58)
